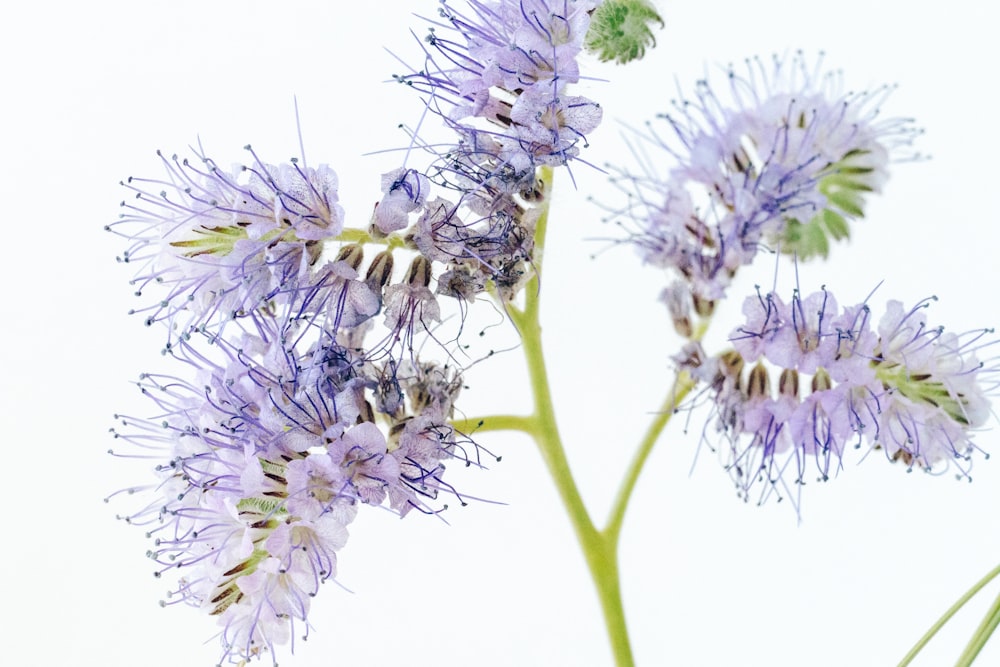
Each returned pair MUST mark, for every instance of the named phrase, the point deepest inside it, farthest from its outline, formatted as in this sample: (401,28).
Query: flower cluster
(311,388)
(265,461)
(497,76)
(297,413)
(784,162)
(507,63)
(900,386)
(228,240)
(318,378)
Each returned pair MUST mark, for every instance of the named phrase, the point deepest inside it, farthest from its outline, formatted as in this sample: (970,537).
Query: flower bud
(380,272)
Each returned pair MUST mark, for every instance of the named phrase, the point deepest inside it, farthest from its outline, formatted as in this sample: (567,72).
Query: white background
(90,90)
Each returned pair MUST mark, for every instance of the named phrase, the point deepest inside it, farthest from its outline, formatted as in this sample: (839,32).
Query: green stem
(600,547)
(600,553)
(682,386)
(908,658)
(354,235)
(983,632)
(495,423)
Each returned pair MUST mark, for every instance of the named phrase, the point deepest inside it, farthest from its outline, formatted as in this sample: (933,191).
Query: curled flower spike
(222,244)
(507,62)
(265,463)
(784,160)
(497,75)
(915,392)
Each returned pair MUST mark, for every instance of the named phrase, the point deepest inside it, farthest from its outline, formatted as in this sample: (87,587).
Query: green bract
(844,187)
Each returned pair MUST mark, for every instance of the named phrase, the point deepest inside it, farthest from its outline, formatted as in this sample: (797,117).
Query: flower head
(508,62)
(914,392)
(221,244)
(266,459)
(784,160)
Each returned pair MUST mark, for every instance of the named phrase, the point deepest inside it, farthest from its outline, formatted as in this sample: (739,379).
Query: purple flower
(267,457)
(220,245)
(784,160)
(410,306)
(913,391)
(508,62)
(339,291)
(497,76)
(405,191)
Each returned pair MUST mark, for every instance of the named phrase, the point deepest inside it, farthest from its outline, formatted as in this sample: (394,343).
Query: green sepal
(212,241)
(262,506)
(228,592)
(620,30)
(923,389)
(836,224)
(806,239)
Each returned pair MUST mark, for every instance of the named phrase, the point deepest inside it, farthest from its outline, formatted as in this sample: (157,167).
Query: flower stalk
(599,545)
(923,641)
(981,635)
(599,551)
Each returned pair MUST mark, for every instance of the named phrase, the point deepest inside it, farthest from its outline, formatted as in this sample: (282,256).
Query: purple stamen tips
(309,391)
(912,391)
(784,161)
(268,457)
(497,76)
(223,245)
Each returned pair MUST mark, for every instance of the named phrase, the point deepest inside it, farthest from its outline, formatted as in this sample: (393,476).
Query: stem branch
(495,423)
(599,552)
(682,386)
(985,629)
